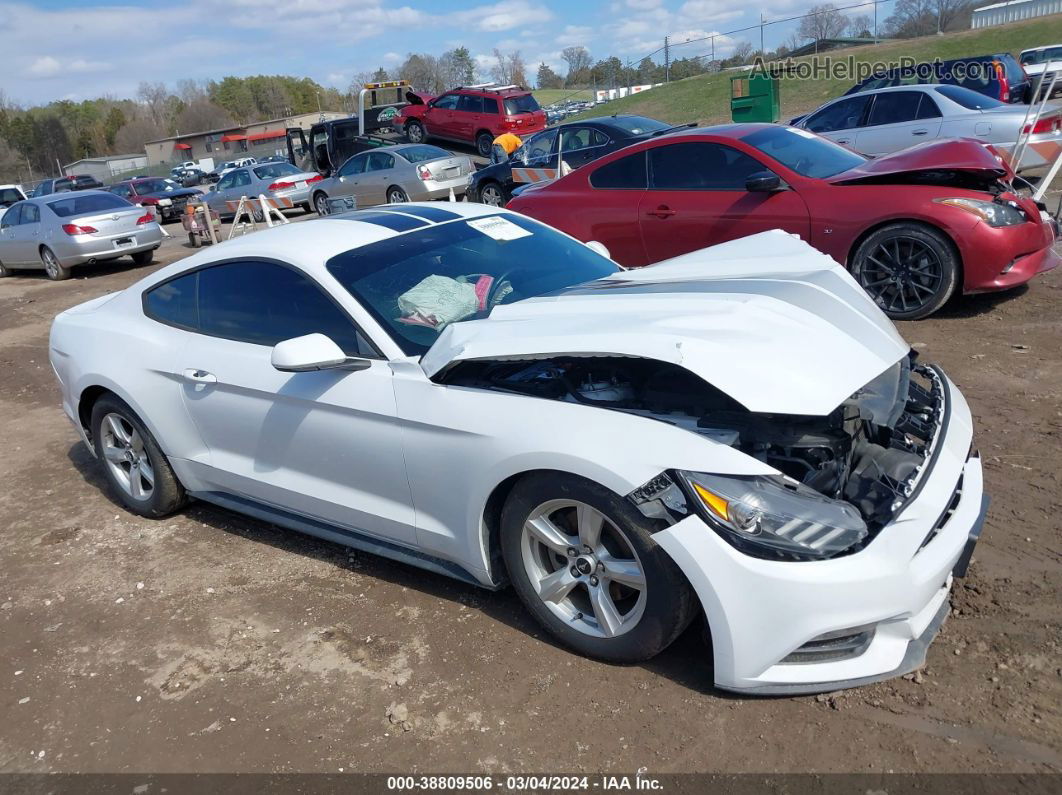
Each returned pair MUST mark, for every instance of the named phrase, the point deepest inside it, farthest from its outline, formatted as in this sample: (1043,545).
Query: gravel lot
(211,642)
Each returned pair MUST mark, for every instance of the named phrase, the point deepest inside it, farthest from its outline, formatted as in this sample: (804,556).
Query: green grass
(547,96)
(706,98)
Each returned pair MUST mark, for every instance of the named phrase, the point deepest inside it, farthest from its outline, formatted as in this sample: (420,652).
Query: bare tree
(823,22)
(578,60)
(133,134)
(742,54)
(202,114)
(509,68)
(154,97)
(861,27)
(422,71)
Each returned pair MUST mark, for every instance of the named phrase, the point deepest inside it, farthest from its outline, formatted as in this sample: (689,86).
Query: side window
(577,138)
(264,303)
(11,216)
(226,181)
(700,166)
(927,108)
(541,145)
(173,302)
(446,102)
(490,105)
(841,115)
(241,178)
(894,107)
(380,161)
(627,173)
(470,104)
(121,190)
(31,214)
(356,165)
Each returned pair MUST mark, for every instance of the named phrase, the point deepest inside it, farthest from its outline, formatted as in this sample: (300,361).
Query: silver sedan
(284,186)
(889,119)
(61,230)
(389,174)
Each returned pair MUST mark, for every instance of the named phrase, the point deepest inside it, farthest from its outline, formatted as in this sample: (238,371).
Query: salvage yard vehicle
(471,114)
(9,195)
(55,233)
(913,227)
(580,141)
(999,76)
(1040,64)
(889,119)
(64,184)
(165,196)
(738,433)
(285,186)
(400,173)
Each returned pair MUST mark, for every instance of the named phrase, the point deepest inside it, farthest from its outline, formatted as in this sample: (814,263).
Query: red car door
(439,118)
(697,196)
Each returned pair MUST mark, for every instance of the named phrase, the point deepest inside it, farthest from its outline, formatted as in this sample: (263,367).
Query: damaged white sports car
(738,434)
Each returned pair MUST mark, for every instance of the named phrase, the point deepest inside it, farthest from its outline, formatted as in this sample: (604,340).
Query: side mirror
(763,182)
(599,248)
(213,188)
(312,352)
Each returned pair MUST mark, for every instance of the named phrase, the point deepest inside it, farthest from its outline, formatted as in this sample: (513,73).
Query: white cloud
(573,35)
(45,66)
(708,11)
(504,15)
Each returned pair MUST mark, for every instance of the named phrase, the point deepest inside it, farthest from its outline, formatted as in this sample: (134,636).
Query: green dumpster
(754,97)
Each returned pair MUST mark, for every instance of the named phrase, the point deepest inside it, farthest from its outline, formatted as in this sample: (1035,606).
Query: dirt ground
(212,642)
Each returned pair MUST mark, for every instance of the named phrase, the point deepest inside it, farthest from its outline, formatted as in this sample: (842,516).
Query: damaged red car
(913,228)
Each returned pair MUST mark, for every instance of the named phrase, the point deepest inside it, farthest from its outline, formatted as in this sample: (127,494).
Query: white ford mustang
(738,433)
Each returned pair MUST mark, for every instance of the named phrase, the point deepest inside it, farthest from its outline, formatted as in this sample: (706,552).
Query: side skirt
(338,535)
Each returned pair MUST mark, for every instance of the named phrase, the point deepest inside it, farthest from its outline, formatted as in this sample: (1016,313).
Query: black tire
(909,269)
(669,604)
(144,257)
(484,142)
(193,240)
(167,494)
(56,272)
(493,194)
(258,215)
(4,271)
(320,203)
(395,195)
(415,132)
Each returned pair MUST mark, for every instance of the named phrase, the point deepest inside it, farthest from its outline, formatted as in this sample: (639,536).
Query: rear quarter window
(174,302)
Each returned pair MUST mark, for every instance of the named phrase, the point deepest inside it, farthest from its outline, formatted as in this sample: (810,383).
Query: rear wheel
(395,195)
(492,194)
(415,132)
(484,142)
(193,240)
(4,270)
(133,463)
(144,257)
(584,563)
(56,272)
(908,269)
(257,214)
(320,203)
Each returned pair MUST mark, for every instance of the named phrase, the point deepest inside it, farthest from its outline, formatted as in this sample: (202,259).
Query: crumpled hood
(768,319)
(945,154)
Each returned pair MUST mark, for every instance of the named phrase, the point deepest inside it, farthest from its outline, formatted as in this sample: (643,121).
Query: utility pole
(875,21)
(761,34)
(713,49)
(667,60)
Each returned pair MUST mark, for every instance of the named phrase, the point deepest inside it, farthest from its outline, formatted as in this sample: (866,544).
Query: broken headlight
(775,517)
(992,213)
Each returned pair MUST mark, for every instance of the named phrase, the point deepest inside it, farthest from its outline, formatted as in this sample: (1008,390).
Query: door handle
(919,131)
(200,376)
(844,140)
(663,211)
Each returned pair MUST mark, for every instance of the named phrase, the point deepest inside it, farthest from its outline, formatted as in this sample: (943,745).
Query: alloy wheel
(396,196)
(492,196)
(583,568)
(51,264)
(902,274)
(415,133)
(127,460)
(320,203)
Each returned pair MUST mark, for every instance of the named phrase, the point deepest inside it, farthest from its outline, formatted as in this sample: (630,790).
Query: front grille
(953,505)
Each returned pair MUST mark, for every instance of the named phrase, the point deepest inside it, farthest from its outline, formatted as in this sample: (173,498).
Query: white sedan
(738,433)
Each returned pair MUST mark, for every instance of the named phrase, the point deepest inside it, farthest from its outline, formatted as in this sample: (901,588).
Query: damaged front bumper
(785,627)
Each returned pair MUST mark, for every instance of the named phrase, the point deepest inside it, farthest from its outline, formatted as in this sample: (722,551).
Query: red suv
(471,114)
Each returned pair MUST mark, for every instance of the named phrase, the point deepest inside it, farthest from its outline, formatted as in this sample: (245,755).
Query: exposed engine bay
(868,452)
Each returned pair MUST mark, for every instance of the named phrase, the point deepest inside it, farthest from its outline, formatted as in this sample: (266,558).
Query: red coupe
(912,227)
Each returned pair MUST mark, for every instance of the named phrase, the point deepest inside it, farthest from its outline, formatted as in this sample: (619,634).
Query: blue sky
(84,48)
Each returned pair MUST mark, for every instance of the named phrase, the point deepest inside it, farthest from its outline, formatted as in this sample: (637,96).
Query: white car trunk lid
(767,319)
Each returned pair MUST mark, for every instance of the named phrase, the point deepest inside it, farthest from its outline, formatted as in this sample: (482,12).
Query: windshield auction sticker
(498,228)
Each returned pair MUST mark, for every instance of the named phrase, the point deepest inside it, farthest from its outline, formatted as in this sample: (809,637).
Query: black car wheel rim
(902,274)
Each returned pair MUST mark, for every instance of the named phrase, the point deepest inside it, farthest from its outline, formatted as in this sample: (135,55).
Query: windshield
(88,204)
(521,104)
(805,153)
(153,186)
(9,196)
(416,284)
(418,154)
(637,125)
(971,100)
(276,170)
(1041,56)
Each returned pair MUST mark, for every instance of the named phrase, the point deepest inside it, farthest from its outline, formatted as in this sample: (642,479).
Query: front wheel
(908,269)
(55,270)
(134,465)
(584,563)
(144,257)
(320,203)
(395,195)
(415,132)
(492,194)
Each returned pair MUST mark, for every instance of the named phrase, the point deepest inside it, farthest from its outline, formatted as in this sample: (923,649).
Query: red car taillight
(424,173)
(281,186)
(318,178)
(1004,85)
(1045,125)
(74,229)
(146,218)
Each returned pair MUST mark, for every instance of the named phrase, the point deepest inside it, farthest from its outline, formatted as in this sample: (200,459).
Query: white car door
(10,252)
(839,120)
(322,444)
(897,120)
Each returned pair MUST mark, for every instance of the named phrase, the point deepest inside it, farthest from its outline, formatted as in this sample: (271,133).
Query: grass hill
(706,98)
